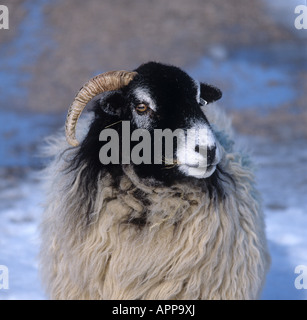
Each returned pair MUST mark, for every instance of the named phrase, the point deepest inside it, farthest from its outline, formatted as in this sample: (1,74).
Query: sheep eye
(141,108)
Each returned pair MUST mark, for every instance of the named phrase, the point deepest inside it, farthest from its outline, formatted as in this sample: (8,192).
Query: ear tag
(203,101)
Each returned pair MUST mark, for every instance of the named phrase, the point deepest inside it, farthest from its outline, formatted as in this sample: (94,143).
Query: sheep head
(152,97)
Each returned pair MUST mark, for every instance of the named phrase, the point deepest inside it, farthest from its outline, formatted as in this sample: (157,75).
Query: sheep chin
(197,172)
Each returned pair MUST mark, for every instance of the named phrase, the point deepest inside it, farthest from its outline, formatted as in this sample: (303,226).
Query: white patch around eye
(142,121)
(144,96)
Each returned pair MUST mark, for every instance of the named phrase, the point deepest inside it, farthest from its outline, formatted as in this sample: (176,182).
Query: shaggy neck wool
(185,240)
(189,245)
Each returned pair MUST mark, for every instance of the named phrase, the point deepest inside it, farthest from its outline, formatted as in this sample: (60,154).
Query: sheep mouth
(199,172)
(207,167)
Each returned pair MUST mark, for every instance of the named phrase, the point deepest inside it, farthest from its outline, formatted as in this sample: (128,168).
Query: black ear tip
(210,93)
(219,94)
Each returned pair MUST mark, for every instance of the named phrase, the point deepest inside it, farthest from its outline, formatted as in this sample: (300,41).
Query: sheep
(169,230)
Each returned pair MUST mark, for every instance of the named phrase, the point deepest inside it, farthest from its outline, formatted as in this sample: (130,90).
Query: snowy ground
(20,212)
(282,180)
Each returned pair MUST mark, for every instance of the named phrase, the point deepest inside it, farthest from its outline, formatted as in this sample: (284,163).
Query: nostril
(197,148)
(211,154)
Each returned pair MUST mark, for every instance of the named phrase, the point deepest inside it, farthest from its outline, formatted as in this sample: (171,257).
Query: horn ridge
(108,81)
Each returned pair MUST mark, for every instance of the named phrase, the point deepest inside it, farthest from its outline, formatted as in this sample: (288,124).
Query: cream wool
(192,247)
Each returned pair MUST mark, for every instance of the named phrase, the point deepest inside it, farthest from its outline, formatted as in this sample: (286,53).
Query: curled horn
(112,80)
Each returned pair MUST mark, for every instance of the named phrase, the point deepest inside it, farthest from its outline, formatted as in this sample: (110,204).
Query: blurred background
(249,49)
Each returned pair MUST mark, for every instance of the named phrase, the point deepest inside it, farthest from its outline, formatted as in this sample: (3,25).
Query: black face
(171,98)
(159,97)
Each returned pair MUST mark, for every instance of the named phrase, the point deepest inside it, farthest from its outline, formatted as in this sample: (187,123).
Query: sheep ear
(112,103)
(209,93)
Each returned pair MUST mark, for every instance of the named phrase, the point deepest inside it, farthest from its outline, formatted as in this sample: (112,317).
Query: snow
(20,212)
(282,182)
